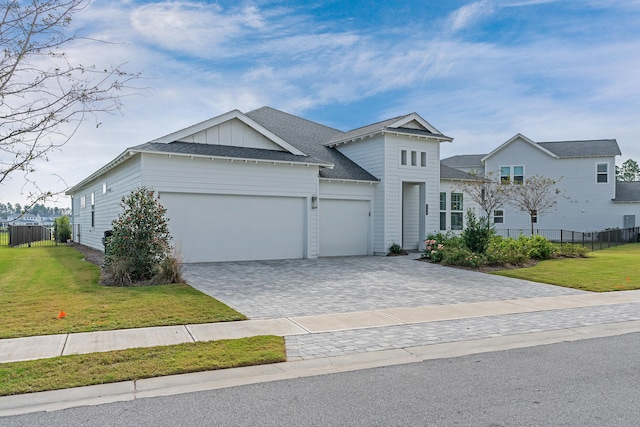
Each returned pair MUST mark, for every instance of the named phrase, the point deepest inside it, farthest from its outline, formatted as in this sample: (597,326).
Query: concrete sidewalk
(30,348)
(621,316)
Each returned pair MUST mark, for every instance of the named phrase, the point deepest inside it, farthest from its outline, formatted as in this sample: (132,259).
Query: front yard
(613,269)
(37,284)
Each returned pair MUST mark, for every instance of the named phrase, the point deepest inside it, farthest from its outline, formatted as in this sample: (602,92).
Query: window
(83,202)
(423,159)
(518,174)
(414,158)
(104,188)
(443,220)
(93,199)
(505,174)
(602,172)
(456,220)
(534,217)
(456,201)
(498,216)
(403,157)
(506,177)
(443,201)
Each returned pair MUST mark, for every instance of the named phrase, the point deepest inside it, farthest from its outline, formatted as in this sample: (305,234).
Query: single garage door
(344,227)
(235,228)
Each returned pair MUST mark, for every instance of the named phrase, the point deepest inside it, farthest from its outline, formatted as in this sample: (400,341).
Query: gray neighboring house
(592,198)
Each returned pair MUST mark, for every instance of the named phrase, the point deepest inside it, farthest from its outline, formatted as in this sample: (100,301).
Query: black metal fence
(27,236)
(593,240)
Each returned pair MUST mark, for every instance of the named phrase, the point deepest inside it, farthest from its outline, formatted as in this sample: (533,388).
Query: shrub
(503,251)
(569,250)
(477,233)
(538,247)
(434,250)
(462,256)
(62,229)
(139,244)
(395,249)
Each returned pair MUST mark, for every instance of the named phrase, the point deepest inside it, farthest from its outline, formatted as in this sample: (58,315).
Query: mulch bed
(94,256)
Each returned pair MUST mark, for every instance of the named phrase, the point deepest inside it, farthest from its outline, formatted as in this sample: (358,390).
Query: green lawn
(36,284)
(124,365)
(613,269)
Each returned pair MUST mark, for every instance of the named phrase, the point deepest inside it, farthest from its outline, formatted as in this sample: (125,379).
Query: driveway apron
(303,287)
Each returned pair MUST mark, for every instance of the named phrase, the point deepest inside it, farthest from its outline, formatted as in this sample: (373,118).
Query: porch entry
(414,211)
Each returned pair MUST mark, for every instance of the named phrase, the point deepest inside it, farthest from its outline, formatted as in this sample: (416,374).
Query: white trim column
(422,215)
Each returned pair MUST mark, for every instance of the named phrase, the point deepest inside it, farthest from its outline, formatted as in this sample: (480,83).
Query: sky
(479,71)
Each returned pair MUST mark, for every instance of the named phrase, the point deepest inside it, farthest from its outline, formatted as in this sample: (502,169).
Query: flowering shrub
(503,251)
(433,250)
(464,257)
(538,247)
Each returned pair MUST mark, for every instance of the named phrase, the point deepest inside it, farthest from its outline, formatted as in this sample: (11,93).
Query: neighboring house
(270,185)
(591,200)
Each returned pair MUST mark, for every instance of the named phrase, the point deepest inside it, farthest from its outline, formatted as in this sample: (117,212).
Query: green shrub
(503,251)
(62,229)
(462,256)
(395,248)
(434,250)
(140,242)
(569,250)
(538,247)
(477,233)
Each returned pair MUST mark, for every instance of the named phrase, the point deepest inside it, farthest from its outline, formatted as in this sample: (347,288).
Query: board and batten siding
(234,133)
(202,176)
(584,205)
(108,190)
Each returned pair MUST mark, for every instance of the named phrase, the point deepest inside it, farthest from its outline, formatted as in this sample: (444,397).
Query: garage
(344,227)
(210,228)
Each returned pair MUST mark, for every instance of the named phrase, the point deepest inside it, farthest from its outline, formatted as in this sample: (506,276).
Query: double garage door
(208,228)
(235,228)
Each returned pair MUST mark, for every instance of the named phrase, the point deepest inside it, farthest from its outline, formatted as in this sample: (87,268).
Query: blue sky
(479,71)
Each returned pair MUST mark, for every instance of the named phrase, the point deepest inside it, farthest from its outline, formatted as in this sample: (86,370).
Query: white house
(591,199)
(270,185)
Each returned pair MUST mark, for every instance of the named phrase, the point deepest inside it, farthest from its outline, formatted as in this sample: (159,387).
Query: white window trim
(603,173)
(413,159)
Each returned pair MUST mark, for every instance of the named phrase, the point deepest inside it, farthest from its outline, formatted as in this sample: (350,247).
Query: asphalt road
(584,383)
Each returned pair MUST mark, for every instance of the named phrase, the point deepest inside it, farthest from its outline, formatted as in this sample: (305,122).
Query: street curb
(211,380)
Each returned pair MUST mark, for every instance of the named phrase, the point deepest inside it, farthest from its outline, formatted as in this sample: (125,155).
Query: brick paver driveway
(287,288)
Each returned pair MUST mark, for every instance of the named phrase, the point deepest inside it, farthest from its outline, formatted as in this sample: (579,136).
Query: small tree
(477,233)
(62,229)
(535,196)
(139,245)
(487,192)
(629,171)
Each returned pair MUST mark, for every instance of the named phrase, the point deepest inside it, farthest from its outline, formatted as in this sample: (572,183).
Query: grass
(36,284)
(133,364)
(613,269)
(4,238)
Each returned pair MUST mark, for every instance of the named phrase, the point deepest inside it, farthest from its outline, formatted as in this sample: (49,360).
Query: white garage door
(344,227)
(235,228)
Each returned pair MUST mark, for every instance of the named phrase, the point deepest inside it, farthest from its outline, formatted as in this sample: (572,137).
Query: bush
(395,249)
(139,247)
(462,256)
(477,233)
(538,247)
(503,251)
(569,250)
(62,229)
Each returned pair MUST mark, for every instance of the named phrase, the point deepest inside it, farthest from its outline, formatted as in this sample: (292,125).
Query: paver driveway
(287,288)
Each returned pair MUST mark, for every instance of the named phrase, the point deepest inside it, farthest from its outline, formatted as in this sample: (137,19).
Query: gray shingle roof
(627,191)
(447,172)
(225,151)
(378,127)
(586,148)
(464,161)
(310,137)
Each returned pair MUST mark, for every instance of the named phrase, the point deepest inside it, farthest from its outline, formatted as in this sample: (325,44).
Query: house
(591,199)
(270,185)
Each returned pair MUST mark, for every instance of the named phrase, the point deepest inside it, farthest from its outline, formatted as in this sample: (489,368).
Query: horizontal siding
(584,205)
(119,182)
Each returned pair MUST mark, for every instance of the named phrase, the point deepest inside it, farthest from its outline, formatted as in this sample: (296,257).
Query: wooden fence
(30,235)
